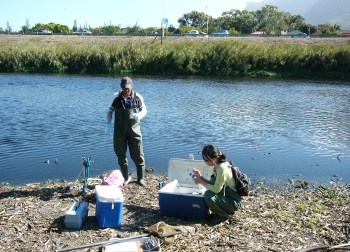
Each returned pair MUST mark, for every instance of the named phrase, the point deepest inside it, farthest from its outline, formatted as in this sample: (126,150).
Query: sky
(144,13)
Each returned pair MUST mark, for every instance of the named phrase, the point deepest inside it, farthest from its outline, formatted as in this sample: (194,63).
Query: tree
(55,28)
(241,21)
(133,29)
(8,27)
(327,29)
(294,22)
(40,26)
(337,27)
(195,19)
(308,28)
(171,29)
(109,29)
(226,21)
(281,22)
(26,28)
(58,28)
(75,26)
(268,19)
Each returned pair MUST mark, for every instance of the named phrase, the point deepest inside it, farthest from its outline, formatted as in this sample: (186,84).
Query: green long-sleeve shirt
(223,175)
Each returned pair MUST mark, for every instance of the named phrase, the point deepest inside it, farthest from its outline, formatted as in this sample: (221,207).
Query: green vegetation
(268,20)
(307,210)
(55,28)
(332,194)
(228,58)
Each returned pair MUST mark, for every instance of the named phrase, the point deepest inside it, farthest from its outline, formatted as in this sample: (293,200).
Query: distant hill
(332,11)
(296,7)
(314,11)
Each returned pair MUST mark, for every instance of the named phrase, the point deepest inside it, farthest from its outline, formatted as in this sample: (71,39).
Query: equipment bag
(242,181)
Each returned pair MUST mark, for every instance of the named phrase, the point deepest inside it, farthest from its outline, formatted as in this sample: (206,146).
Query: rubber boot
(125,174)
(140,172)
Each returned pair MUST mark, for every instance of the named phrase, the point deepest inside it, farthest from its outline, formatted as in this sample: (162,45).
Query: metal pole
(207,20)
(116,240)
(162,21)
(113,241)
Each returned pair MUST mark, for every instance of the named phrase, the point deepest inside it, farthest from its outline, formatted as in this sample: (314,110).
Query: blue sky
(146,13)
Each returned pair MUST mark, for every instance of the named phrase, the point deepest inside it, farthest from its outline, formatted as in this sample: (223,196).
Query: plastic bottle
(176,184)
(192,175)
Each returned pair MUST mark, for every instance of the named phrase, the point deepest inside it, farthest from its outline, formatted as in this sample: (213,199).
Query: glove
(109,128)
(161,228)
(136,117)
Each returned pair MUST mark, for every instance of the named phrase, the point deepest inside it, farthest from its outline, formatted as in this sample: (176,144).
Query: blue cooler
(109,206)
(181,197)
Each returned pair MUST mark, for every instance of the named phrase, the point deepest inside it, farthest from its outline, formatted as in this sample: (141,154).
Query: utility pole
(207,20)
(162,21)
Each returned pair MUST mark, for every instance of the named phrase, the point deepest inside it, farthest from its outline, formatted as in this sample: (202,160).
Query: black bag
(242,181)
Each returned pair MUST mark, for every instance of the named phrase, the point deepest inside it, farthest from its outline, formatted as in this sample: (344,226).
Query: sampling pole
(86,163)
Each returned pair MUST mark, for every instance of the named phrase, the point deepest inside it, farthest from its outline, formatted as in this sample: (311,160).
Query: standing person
(221,199)
(129,108)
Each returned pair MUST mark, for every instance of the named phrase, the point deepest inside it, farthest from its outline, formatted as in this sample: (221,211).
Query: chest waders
(224,203)
(127,134)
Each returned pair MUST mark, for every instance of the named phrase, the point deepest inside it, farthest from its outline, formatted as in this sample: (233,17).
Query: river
(271,129)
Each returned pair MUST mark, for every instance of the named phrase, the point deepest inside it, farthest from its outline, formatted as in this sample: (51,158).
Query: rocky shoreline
(287,219)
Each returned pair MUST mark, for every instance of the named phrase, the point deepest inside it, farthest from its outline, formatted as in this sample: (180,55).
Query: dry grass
(53,40)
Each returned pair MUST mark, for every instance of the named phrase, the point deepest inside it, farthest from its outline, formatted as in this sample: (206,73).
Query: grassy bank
(222,58)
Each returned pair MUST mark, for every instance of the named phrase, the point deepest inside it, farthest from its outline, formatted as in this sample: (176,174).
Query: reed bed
(222,58)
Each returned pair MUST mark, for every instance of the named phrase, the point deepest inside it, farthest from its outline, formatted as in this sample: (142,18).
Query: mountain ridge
(334,12)
(315,12)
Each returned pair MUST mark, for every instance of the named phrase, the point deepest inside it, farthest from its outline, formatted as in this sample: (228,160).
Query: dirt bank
(288,219)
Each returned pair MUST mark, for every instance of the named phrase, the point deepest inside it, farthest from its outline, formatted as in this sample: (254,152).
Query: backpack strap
(234,171)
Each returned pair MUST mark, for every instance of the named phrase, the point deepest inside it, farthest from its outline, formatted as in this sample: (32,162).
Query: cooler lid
(180,169)
(78,208)
(109,193)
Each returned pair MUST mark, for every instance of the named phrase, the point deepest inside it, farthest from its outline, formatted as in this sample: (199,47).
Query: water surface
(270,129)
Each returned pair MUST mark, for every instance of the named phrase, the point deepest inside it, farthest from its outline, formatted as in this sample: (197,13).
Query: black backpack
(242,181)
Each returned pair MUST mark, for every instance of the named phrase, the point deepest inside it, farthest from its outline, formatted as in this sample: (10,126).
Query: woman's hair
(210,152)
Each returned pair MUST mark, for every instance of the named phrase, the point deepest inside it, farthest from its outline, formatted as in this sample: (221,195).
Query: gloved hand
(136,117)
(109,128)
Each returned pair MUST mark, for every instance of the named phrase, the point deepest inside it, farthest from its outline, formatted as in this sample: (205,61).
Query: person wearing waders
(129,108)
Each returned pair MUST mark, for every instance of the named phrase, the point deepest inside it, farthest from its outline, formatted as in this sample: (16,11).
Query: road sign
(164,21)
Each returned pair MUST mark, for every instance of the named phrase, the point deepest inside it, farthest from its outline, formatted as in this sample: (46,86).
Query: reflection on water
(271,129)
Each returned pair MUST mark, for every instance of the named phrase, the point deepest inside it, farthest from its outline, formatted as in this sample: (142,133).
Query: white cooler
(185,199)
(76,215)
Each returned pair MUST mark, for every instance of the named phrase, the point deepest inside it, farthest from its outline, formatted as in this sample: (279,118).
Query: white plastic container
(76,215)
(181,197)
(109,206)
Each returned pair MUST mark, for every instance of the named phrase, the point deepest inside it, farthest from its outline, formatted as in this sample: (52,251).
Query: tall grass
(186,58)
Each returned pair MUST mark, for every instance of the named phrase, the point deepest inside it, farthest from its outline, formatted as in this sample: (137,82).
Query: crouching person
(221,199)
